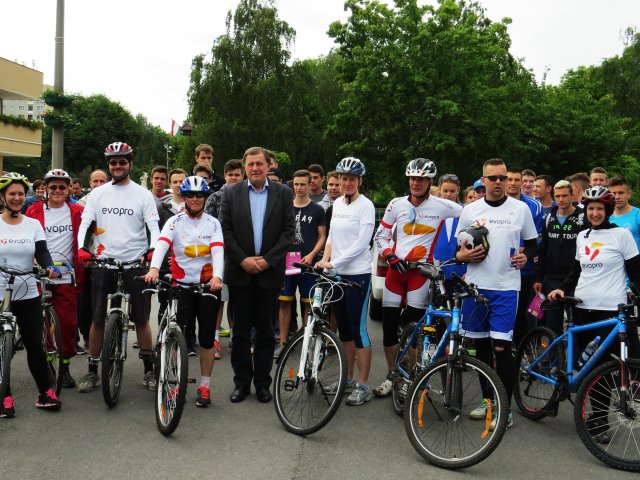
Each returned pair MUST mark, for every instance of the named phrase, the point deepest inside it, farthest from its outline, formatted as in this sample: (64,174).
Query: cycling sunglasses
(450,177)
(194,194)
(495,178)
(412,215)
(57,187)
(122,163)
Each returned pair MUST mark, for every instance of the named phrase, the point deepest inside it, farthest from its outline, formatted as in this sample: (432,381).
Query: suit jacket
(277,234)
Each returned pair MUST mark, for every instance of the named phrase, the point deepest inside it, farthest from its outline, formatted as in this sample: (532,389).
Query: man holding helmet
(496,271)
(418,219)
(61,219)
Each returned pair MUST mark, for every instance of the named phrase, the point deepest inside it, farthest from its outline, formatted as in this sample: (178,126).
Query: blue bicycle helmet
(194,184)
(351,166)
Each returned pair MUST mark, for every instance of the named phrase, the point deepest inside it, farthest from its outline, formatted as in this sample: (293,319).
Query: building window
(21,107)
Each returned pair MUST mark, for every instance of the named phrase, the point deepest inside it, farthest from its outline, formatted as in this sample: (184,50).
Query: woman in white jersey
(23,240)
(604,254)
(347,254)
(197,256)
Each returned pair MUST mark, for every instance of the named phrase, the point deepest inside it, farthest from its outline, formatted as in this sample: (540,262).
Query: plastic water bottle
(590,350)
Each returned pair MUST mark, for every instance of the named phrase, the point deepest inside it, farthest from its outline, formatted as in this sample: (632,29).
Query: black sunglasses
(495,178)
(122,163)
(56,187)
(194,194)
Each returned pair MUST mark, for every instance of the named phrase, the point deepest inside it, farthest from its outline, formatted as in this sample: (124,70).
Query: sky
(139,52)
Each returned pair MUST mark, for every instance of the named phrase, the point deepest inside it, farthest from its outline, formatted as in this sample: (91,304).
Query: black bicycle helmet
(421,167)
(474,235)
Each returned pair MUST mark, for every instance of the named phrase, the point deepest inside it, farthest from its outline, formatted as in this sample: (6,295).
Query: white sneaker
(383,389)
(359,396)
(480,412)
(495,420)
(149,381)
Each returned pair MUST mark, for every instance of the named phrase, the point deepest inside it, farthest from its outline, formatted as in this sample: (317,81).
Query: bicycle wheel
(52,345)
(112,361)
(172,377)
(531,394)
(609,429)
(6,353)
(408,362)
(301,404)
(442,431)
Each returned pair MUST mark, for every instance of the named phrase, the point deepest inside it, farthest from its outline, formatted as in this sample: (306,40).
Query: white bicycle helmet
(118,149)
(421,167)
(194,184)
(57,174)
(351,166)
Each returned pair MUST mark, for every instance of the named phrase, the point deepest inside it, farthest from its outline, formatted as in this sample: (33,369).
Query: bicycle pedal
(290,385)
(551,409)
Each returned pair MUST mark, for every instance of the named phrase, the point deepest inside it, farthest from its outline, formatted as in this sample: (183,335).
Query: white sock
(217,335)
(205,381)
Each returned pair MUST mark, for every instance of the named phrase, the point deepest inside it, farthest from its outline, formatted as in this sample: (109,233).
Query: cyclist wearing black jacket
(557,250)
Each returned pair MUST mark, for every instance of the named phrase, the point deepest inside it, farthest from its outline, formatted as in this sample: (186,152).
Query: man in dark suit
(258,227)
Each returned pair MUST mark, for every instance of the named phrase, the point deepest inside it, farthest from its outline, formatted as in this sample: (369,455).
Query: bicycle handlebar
(114,262)
(332,278)
(196,287)
(470,289)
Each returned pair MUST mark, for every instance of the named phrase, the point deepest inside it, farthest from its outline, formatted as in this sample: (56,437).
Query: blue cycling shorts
(477,322)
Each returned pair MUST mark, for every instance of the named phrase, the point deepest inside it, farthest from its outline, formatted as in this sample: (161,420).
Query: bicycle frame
(618,331)
(316,312)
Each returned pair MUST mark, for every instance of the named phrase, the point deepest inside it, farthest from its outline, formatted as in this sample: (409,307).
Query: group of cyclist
(506,242)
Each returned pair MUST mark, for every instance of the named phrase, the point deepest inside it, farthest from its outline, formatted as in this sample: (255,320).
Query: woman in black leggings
(24,241)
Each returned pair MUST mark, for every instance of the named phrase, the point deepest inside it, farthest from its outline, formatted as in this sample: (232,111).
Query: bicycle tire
(52,345)
(449,438)
(400,384)
(622,451)
(531,394)
(112,362)
(302,405)
(171,393)
(6,354)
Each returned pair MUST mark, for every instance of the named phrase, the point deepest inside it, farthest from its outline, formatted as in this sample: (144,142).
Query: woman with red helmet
(605,256)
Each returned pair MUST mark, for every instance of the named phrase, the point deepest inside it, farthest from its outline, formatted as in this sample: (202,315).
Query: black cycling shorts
(103,282)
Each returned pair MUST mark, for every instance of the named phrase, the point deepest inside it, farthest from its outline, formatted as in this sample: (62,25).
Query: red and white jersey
(417,228)
(197,248)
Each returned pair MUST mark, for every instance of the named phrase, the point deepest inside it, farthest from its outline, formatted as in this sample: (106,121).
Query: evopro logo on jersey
(15,241)
(593,251)
(117,211)
(587,266)
(57,228)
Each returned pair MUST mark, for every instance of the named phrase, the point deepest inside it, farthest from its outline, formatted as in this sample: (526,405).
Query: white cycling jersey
(197,248)
(17,248)
(507,224)
(417,228)
(120,213)
(602,284)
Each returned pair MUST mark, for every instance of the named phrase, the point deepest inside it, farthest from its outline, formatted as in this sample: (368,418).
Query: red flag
(174,128)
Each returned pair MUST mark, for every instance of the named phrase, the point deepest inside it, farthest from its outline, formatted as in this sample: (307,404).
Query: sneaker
(191,351)
(80,350)
(359,395)
(88,382)
(48,401)
(278,350)
(7,410)
(149,381)
(495,420)
(67,379)
(383,389)
(333,388)
(217,349)
(224,332)
(480,412)
(203,397)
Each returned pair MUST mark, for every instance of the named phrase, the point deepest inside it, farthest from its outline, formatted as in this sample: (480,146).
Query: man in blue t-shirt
(625,215)
(309,239)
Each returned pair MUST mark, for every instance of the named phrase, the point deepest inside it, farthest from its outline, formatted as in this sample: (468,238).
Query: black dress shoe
(263,394)
(239,394)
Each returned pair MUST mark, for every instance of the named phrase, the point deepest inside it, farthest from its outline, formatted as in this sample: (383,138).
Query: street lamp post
(167,147)
(57,137)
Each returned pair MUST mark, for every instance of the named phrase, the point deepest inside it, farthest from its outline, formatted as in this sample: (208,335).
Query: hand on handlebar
(54,272)
(84,255)
(555,294)
(323,264)
(152,276)
(396,263)
(215,284)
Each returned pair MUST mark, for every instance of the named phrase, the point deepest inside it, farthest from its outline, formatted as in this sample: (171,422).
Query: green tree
(431,81)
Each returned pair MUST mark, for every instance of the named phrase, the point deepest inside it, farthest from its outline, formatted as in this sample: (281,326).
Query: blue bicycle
(448,385)
(607,402)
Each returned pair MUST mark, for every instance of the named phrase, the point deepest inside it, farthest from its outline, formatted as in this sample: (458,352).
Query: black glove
(396,263)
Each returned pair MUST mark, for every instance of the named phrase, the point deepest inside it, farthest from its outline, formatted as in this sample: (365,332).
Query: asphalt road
(87,440)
